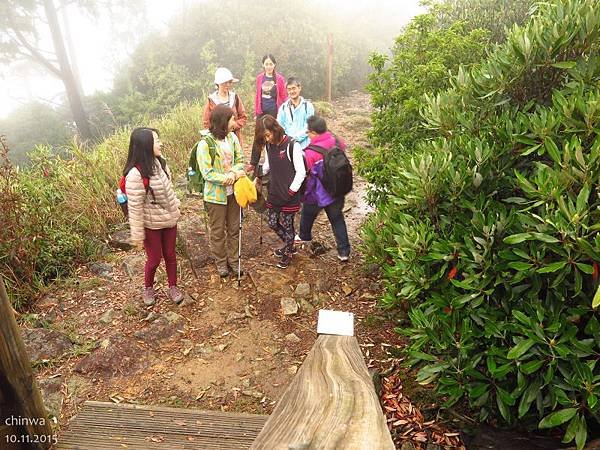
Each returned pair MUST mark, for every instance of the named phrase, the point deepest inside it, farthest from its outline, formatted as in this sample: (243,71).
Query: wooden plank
(22,411)
(101,425)
(330,404)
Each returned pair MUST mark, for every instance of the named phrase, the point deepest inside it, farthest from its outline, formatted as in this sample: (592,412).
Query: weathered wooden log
(23,419)
(330,404)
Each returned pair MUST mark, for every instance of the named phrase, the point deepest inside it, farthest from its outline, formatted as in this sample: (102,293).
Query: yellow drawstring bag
(244,191)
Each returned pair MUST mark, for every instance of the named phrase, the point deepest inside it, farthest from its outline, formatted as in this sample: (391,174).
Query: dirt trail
(226,348)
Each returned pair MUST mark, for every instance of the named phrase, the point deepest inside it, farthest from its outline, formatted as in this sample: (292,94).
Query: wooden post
(23,419)
(329,73)
(330,404)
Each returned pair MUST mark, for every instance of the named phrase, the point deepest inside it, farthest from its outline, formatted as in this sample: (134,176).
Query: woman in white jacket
(153,209)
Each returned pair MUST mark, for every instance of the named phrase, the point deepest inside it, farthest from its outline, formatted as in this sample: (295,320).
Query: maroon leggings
(159,244)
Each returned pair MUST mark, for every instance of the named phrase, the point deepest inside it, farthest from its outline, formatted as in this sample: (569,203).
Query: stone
(52,394)
(322,285)
(233,316)
(292,338)
(101,269)
(292,370)
(188,301)
(306,306)
(122,357)
(253,393)
(133,265)
(302,290)
(372,269)
(108,316)
(375,286)
(222,347)
(161,329)
(151,317)
(42,343)
(76,385)
(319,300)
(204,350)
(173,317)
(289,306)
(120,239)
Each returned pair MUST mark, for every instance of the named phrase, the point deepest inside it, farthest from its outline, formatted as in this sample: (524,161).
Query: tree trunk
(23,418)
(67,77)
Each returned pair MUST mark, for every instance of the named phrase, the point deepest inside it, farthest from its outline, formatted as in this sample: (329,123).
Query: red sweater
(281,92)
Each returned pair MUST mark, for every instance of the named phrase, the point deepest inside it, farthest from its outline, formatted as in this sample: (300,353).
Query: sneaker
(280,252)
(149,296)
(298,239)
(176,294)
(344,258)
(223,271)
(284,261)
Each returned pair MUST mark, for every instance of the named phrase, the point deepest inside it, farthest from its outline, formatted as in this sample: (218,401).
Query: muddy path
(227,347)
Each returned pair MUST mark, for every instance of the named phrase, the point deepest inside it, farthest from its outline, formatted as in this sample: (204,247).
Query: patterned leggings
(283,224)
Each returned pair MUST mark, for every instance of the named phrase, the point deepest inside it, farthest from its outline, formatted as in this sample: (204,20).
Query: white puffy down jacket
(146,211)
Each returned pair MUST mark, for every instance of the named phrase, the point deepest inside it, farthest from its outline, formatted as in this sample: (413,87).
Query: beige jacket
(146,211)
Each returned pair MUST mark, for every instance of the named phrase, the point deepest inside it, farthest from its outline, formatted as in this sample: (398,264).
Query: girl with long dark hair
(287,172)
(153,209)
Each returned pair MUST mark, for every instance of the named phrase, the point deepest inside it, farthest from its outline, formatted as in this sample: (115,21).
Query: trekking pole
(261,221)
(240,248)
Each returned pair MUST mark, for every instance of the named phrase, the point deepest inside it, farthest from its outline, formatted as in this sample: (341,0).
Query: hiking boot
(149,296)
(284,261)
(343,258)
(281,251)
(234,270)
(223,271)
(176,294)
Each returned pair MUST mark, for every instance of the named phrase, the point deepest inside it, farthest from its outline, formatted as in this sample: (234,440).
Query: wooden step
(107,426)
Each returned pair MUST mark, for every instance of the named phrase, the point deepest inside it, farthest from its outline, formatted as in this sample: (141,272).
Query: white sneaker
(343,258)
(297,239)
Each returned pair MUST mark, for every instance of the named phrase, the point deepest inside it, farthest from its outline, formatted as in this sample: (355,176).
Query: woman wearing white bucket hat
(224,95)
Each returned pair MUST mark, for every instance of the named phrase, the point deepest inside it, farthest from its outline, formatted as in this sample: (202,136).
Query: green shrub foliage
(452,34)
(490,234)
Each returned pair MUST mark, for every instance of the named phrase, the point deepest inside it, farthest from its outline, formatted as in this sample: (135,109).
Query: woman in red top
(270,94)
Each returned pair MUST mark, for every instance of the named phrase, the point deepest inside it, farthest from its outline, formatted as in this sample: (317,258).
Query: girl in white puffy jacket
(153,209)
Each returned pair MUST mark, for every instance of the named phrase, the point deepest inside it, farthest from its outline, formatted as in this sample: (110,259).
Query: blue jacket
(293,120)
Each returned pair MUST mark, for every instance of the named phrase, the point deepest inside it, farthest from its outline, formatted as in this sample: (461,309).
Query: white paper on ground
(335,322)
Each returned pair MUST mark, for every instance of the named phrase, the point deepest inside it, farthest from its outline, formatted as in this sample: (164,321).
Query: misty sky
(99,52)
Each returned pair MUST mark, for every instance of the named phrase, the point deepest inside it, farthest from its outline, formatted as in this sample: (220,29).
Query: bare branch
(34,53)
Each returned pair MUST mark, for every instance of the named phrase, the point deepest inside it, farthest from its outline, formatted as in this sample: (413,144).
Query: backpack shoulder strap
(212,147)
(316,148)
(145,180)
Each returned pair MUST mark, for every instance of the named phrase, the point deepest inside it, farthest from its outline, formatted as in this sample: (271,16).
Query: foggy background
(138,59)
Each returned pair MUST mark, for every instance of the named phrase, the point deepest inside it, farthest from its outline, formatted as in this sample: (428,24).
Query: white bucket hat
(223,75)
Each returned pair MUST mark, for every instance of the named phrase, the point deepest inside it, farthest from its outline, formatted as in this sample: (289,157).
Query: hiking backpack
(337,170)
(123,204)
(195,180)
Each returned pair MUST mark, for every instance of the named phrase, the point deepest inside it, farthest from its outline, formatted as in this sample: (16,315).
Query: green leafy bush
(433,45)
(491,235)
